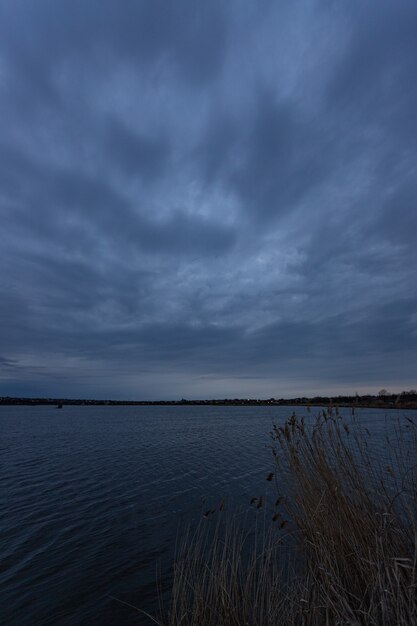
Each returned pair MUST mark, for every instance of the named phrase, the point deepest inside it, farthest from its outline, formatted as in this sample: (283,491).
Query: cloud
(212,199)
(134,154)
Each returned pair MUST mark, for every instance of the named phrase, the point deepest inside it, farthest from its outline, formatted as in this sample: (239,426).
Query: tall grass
(347,556)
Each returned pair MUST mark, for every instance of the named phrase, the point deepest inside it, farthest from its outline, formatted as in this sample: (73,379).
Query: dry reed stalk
(354,523)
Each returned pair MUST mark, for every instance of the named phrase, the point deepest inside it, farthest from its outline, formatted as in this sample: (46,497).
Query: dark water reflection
(92,498)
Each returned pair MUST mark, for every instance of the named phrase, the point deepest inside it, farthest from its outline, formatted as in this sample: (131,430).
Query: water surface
(92,499)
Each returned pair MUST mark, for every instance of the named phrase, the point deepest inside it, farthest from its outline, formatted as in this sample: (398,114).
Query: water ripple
(92,499)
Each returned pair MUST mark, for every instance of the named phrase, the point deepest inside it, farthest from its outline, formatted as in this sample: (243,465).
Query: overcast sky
(207,199)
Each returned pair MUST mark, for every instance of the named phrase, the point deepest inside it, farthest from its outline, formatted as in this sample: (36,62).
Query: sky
(207,199)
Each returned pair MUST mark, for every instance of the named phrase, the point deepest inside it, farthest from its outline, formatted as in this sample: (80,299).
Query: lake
(93,498)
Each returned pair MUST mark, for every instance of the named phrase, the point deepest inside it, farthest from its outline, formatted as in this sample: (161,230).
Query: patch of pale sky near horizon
(91,379)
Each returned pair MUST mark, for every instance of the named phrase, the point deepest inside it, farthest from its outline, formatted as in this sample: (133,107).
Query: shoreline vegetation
(340,548)
(382,400)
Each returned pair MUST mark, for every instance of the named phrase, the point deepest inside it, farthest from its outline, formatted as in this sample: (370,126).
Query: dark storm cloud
(373,77)
(135,154)
(271,158)
(7,364)
(207,198)
(102,214)
(283,160)
(36,37)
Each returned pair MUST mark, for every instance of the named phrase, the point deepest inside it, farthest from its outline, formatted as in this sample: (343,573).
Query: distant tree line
(405,399)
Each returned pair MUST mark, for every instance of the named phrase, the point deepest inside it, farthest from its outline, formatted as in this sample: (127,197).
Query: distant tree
(383,393)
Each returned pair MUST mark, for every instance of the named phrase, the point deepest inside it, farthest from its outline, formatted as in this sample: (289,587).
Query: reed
(341,547)
(356,518)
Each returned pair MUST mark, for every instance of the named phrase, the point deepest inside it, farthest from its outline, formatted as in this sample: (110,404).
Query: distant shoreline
(394,401)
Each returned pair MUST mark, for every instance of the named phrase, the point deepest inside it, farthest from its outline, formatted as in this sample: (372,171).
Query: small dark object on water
(270,476)
(59,406)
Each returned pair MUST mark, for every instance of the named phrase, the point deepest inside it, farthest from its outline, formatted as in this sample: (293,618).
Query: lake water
(92,499)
